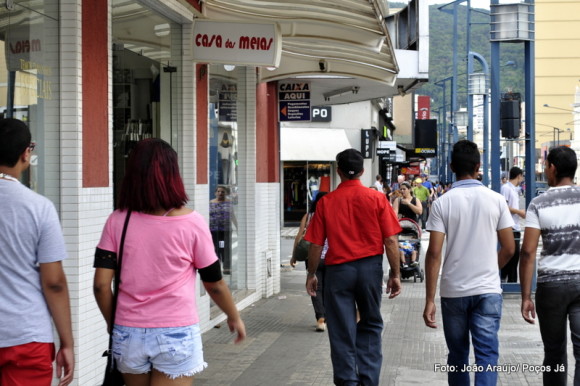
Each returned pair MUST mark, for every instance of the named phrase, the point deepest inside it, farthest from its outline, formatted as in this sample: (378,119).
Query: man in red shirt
(359,224)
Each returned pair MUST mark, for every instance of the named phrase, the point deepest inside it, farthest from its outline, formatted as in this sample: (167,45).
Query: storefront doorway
(302,182)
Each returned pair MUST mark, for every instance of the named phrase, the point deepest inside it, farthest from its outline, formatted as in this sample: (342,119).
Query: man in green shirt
(422,194)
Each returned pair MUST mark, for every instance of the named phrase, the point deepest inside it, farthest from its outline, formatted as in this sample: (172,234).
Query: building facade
(91,78)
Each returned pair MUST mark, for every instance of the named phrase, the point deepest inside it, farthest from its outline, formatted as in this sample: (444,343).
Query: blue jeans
(355,348)
(478,315)
(556,302)
(174,351)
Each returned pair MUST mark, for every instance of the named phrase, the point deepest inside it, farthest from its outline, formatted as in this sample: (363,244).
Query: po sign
(321,114)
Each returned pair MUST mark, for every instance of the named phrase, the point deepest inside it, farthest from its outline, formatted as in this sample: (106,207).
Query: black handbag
(112,375)
(300,253)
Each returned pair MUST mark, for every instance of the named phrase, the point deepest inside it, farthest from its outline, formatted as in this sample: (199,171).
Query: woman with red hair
(156,334)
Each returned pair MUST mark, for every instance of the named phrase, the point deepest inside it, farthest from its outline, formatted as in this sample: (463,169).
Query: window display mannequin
(325,183)
(225,151)
(313,187)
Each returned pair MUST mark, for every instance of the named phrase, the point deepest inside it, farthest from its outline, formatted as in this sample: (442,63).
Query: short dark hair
(565,161)
(15,138)
(152,178)
(515,172)
(464,158)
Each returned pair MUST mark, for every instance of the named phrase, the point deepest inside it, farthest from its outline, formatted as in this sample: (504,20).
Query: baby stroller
(411,234)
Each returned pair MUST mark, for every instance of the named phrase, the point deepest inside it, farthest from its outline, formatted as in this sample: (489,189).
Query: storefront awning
(345,38)
(312,144)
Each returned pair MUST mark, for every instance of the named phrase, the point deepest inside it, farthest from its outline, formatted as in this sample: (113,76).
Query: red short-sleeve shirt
(355,220)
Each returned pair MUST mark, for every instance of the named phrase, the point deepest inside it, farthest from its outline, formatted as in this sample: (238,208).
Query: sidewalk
(282,347)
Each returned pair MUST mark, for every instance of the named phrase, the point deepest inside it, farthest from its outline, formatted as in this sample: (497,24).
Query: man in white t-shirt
(511,191)
(379,183)
(34,288)
(474,219)
(555,216)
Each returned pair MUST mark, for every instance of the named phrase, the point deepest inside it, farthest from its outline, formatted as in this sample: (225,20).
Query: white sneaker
(321,325)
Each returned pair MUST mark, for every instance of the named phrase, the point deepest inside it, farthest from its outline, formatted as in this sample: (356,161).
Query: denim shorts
(174,351)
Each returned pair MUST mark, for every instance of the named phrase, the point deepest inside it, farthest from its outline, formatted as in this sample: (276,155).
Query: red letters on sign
(246,42)
(25,46)
(255,43)
(207,41)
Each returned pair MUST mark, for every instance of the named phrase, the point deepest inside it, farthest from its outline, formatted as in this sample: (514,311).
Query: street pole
(495,117)
(530,93)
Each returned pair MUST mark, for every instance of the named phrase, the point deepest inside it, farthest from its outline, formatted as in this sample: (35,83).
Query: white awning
(312,144)
(341,37)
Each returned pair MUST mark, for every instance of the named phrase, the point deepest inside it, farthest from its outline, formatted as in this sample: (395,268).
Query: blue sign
(294,101)
(295,110)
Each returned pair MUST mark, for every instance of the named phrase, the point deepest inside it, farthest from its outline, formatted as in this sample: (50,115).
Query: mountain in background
(441,54)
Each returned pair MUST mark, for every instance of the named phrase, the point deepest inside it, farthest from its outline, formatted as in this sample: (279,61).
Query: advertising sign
(294,100)
(252,44)
(423,107)
(321,113)
(365,143)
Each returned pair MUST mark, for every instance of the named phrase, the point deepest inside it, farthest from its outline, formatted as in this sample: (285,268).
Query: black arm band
(105,259)
(211,273)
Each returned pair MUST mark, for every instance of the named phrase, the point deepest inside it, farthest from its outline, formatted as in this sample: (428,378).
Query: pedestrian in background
(554,216)
(379,182)
(33,284)
(423,194)
(318,299)
(359,224)
(156,333)
(510,190)
(473,218)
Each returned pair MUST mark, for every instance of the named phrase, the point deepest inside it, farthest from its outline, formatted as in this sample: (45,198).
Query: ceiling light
(229,67)
(162,30)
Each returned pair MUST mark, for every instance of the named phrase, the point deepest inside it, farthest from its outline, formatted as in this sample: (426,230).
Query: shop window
(224,134)
(29,75)
(146,79)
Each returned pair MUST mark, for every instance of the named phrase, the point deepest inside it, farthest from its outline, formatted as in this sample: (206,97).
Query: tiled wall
(84,210)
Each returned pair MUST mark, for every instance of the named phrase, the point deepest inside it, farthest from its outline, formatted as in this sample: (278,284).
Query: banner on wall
(251,44)
(423,107)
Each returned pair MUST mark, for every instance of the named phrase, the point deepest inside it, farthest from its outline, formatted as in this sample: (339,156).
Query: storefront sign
(23,48)
(365,143)
(423,107)
(321,113)
(294,99)
(252,44)
(414,170)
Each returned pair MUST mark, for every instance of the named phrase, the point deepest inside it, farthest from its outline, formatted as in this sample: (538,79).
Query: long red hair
(152,180)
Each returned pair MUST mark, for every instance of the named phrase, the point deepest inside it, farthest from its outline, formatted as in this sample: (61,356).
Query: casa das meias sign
(251,44)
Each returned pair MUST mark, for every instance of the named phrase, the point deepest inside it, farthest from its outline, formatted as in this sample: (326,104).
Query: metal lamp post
(513,23)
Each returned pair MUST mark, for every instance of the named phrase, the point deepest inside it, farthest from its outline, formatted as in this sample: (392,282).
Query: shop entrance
(302,182)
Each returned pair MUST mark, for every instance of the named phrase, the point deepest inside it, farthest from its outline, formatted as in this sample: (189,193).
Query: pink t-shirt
(158,274)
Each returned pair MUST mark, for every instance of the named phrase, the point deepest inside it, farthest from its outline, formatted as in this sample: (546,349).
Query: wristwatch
(311,274)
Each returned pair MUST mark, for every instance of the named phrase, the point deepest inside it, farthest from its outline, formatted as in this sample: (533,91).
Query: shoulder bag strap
(118,276)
